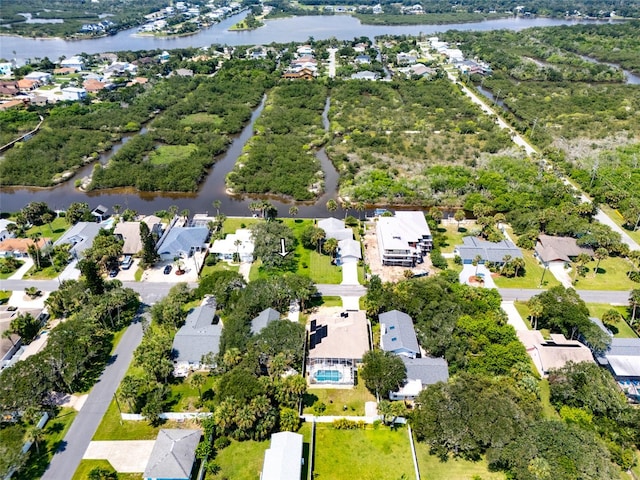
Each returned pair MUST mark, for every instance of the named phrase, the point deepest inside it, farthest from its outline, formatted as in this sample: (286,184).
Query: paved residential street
(67,458)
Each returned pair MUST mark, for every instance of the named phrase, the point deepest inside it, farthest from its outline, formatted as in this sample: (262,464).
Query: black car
(113,273)
(167,270)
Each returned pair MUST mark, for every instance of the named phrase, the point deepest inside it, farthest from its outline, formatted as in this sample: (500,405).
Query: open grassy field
(184,397)
(240,460)
(335,400)
(53,231)
(85,467)
(380,454)
(201,118)
(231,224)
(54,431)
(166,154)
(432,468)
(221,265)
(45,274)
(531,278)
(453,235)
(620,329)
(112,428)
(612,275)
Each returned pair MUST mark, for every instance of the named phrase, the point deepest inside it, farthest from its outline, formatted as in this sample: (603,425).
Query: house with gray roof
(398,335)
(129,232)
(4,229)
(183,242)
(173,455)
(365,75)
(80,237)
(263,319)
(334,228)
(421,372)
(489,252)
(283,458)
(199,336)
(550,249)
(349,251)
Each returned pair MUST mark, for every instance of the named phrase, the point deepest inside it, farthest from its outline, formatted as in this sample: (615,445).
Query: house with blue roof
(183,242)
(398,335)
(488,252)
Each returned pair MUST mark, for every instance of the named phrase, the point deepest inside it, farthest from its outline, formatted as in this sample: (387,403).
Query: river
(281,31)
(284,30)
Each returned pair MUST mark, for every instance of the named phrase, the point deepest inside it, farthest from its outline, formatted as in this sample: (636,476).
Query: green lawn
(185,398)
(231,224)
(4,296)
(243,460)
(432,468)
(111,428)
(138,275)
(327,301)
(532,277)
(612,275)
(636,469)
(45,274)
(59,225)
(165,154)
(453,236)
(240,460)
(617,218)
(380,454)
(312,264)
(4,276)
(54,431)
(336,398)
(545,394)
(221,265)
(85,467)
(524,312)
(620,329)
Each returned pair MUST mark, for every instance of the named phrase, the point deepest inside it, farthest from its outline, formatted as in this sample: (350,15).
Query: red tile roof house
(19,247)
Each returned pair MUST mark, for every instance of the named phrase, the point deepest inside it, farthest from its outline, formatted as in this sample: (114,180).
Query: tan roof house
(553,353)
(559,249)
(19,247)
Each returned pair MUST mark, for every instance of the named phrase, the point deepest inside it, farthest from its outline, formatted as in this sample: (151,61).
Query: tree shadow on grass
(308,399)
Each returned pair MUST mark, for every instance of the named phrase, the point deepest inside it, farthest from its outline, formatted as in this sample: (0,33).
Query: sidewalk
(515,320)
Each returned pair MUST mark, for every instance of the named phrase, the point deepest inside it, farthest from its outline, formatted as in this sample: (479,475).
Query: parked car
(127,262)
(113,273)
(167,270)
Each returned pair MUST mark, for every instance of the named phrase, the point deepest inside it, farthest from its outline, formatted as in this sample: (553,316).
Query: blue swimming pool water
(328,376)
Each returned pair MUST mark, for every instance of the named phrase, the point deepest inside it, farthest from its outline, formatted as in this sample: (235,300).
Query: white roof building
(240,242)
(334,228)
(283,459)
(404,238)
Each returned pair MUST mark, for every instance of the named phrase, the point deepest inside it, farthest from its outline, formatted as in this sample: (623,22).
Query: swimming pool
(327,376)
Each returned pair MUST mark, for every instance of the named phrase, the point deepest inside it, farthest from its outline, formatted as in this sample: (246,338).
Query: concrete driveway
(350,274)
(562,274)
(515,320)
(130,456)
(470,271)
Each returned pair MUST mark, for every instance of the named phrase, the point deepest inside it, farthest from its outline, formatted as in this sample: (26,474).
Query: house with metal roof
(283,459)
(198,337)
(398,335)
(173,455)
(263,319)
(403,239)
(421,372)
(492,252)
(80,237)
(183,242)
(334,228)
(349,251)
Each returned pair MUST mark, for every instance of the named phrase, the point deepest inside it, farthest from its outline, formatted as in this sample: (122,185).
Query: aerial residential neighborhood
(297,241)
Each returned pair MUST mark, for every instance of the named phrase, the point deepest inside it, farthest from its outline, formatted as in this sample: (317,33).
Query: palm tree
(330,246)
(536,308)
(476,261)
(346,205)
(517,264)
(237,244)
(580,261)
(499,218)
(8,334)
(173,210)
(255,207)
(459,216)
(360,207)
(217,204)
(332,205)
(318,236)
(198,380)
(600,254)
(48,218)
(185,213)
(35,435)
(634,303)
(436,214)
(293,210)
(505,260)
(117,207)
